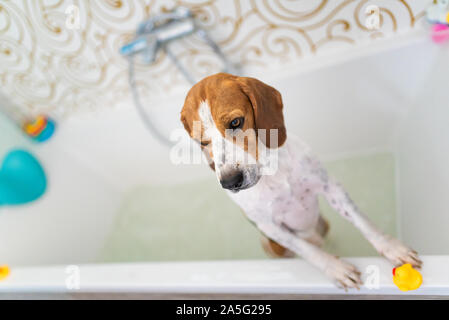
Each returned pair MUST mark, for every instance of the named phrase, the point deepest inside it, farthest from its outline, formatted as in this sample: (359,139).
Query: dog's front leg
(390,247)
(343,273)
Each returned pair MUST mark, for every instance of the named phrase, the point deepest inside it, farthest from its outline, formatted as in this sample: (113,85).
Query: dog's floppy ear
(267,106)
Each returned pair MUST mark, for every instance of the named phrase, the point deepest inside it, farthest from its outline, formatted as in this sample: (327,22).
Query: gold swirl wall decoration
(46,67)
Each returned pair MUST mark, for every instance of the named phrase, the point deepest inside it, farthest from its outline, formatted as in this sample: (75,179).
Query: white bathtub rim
(293,276)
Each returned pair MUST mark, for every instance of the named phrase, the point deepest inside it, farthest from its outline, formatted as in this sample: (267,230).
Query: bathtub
(376,116)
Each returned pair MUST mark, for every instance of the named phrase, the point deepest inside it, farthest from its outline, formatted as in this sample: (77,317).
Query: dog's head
(225,114)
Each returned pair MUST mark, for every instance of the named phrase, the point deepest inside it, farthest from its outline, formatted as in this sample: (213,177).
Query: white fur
(284,205)
(227,156)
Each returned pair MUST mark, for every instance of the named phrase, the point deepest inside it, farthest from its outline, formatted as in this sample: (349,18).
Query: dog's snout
(233,181)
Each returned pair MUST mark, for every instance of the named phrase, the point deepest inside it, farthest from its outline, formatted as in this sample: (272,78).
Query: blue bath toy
(22,179)
(47,133)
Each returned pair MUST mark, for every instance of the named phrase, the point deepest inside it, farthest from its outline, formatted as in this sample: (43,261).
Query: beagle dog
(275,180)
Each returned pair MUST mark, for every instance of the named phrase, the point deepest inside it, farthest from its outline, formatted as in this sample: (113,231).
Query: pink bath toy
(440,33)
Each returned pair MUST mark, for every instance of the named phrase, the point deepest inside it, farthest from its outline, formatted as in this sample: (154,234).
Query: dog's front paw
(343,273)
(398,253)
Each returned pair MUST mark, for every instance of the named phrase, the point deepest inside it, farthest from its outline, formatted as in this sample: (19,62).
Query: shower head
(155,33)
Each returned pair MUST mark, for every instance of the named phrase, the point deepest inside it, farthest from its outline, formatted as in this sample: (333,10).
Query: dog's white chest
(289,196)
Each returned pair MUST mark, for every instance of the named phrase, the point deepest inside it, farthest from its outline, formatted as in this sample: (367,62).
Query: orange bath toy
(406,278)
(4,272)
(36,126)
(40,128)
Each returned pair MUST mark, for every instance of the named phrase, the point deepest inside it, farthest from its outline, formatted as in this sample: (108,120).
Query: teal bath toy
(22,178)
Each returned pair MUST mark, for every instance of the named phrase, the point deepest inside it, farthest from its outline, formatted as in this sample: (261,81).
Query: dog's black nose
(233,181)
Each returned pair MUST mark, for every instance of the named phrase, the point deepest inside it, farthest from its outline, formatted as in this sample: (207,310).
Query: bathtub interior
(365,129)
(197,221)
(378,122)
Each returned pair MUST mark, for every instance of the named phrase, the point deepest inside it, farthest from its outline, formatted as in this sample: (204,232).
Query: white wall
(69,223)
(423,159)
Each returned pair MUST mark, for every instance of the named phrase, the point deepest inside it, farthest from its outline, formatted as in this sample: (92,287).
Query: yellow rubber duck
(406,278)
(4,272)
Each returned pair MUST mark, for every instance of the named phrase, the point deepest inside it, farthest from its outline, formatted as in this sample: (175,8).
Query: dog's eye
(204,143)
(237,123)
